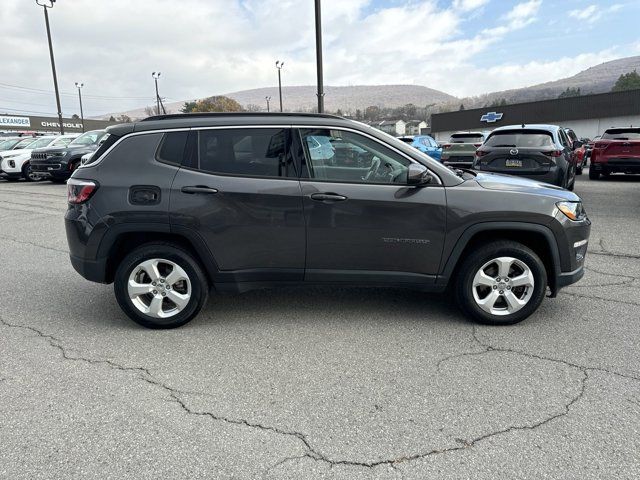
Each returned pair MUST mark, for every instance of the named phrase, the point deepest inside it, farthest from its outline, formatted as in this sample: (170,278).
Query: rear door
(363,222)
(239,192)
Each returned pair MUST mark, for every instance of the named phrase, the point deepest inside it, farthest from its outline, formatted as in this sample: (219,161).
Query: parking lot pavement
(316,382)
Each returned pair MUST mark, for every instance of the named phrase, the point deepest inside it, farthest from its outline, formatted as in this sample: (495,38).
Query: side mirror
(576,145)
(418,175)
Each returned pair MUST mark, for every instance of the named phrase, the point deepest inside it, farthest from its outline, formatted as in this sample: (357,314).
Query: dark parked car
(618,151)
(461,148)
(58,163)
(174,206)
(539,152)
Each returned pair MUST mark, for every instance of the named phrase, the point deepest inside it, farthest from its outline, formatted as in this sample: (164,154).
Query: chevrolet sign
(491,117)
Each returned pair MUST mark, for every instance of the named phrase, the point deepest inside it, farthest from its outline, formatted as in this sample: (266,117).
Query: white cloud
(468,5)
(592,13)
(207,47)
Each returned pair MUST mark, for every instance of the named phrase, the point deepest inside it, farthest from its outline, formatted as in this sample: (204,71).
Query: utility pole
(79,86)
(46,4)
(268,99)
(279,66)
(155,76)
(319,58)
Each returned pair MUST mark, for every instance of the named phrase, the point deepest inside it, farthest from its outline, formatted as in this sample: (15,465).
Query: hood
(72,149)
(11,153)
(511,183)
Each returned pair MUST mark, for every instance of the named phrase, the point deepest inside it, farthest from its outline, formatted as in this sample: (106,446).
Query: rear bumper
(92,270)
(617,165)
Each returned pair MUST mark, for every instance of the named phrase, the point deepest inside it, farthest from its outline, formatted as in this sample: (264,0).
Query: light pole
(79,86)
(268,99)
(156,76)
(279,66)
(319,58)
(46,4)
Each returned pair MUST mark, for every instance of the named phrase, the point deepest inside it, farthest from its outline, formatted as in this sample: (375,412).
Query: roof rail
(240,114)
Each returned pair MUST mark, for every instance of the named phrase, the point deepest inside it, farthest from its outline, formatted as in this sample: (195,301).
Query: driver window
(343,156)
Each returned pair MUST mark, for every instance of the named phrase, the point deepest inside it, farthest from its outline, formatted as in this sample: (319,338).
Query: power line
(27,111)
(48,92)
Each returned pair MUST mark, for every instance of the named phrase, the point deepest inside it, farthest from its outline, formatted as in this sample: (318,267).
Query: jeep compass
(175,207)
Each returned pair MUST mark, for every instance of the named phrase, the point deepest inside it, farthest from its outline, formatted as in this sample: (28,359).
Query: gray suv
(174,207)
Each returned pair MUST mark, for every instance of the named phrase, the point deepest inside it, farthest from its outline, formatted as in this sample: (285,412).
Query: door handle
(199,189)
(328,197)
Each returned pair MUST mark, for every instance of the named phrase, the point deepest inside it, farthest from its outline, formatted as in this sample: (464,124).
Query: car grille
(38,156)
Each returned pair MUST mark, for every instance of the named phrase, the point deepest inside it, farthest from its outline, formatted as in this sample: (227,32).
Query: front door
(364,223)
(242,197)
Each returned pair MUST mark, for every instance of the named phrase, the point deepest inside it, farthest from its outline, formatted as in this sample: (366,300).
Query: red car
(618,151)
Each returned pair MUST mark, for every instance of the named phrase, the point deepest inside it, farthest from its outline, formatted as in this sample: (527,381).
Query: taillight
(553,153)
(79,191)
(600,145)
(477,145)
(446,145)
(480,153)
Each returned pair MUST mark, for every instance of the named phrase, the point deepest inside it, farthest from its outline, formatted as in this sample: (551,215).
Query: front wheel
(28,174)
(501,283)
(160,286)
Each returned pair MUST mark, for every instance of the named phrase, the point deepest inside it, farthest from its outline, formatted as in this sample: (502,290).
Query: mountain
(597,79)
(303,98)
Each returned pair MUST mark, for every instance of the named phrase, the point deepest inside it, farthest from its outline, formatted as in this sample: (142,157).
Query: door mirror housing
(418,175)
(576,144)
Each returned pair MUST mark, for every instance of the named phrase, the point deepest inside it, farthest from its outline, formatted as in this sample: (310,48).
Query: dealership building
(587,115)
(30,125)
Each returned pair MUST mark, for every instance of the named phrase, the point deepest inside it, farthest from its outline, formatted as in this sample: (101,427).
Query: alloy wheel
(503,286)
(159,288)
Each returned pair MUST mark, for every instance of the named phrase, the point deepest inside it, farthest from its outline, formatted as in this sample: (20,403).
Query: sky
(212,47)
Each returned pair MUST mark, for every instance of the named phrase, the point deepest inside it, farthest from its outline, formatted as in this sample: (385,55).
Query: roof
(529,126)
(189,120)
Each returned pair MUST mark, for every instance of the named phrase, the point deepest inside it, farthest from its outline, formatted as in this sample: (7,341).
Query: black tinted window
(520,139)
(172,148)
(466,138)
(104,146)
(622,134)
(260,152)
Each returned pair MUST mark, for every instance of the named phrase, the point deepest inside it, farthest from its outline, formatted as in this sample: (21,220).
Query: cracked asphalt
(316,383)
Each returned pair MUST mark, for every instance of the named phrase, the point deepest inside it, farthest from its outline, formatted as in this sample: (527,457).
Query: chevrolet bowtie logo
(491,117)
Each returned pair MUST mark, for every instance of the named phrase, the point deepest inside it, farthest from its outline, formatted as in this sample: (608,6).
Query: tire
(579,170)
(190,291)
(593,175)
(515,258)
(12,179)
(26,173)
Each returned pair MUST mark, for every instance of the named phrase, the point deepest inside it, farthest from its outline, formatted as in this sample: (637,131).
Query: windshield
(24,143)
(7,144)
(622,134)
(88,138)
(466,138)
(519,139)
(41,142)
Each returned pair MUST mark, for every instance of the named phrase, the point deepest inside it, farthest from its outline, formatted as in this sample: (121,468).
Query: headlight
(572,210)
(58,154)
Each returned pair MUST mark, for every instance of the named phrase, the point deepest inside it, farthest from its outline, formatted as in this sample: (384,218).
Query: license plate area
(513,163)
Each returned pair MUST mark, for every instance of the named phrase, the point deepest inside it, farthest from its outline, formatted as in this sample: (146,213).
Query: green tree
(339,113)
(627,81)
(570,92)
(358,114)
(188,107)
(218,103)
(112,118)
(461,107)
(372,113)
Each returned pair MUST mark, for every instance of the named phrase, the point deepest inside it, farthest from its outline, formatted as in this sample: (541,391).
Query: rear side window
(254,152)
(172,148)
(520,139)
(622,134)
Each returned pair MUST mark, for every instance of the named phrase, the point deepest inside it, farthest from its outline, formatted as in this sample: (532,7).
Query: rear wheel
(501,283)
(593,175)
(160,286)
